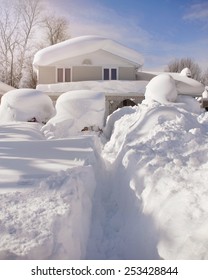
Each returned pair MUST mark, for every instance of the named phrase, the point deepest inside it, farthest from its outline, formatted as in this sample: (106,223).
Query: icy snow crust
(142,196)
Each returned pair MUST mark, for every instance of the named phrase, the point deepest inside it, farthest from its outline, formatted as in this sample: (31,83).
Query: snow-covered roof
(83,45)
(184,84)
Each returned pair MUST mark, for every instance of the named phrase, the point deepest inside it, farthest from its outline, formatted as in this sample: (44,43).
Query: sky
(161,30)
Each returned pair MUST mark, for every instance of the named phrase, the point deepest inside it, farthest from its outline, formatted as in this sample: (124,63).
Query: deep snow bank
(14,131)
(46,193)
(26,105)
(51,220)
(159,154)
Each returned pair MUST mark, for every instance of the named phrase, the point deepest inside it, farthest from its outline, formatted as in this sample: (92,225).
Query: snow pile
(47,191)
(161,88)
(185,85)
(51,220)
(75,111)
(186,72)
(26,105)
(148,200)
(159,154)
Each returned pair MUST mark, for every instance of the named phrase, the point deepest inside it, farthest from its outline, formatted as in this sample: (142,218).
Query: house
(101,64)
(90,62)
(86,58)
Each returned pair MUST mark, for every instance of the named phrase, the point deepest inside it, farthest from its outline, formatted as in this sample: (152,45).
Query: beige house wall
(46,74)
(86,73)
(127,73)
(97,58)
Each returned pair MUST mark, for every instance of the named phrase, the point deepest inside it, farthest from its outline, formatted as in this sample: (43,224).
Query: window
(113,74)
(63,75)
(106,74)
(67,75)
(60,75)
(110,74)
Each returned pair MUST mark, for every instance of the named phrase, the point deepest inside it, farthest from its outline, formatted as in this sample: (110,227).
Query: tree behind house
(22,27)
(56,29)
(18,20)
(177,65)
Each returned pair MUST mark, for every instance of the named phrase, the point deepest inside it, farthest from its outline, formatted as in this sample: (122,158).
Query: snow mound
(162,89)
(185,85)
(26,105)
(186,72)
(160,155)
(75,111)
(115,116)
(51,221)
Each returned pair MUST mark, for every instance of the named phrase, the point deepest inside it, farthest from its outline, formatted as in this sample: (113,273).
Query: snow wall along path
(159,159)
(45,213)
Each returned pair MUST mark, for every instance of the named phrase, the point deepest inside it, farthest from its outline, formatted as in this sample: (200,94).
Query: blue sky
(159,29)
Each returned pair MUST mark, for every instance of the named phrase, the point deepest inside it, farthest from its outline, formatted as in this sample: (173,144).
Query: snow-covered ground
(138,190)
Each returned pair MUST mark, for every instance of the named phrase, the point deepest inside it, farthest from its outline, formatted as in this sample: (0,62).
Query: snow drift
(50,221)
(159,152)
(148,200)
(26,105)
(161,88)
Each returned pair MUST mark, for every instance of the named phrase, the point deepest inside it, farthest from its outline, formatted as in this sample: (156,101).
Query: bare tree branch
(57,29)
(177,65)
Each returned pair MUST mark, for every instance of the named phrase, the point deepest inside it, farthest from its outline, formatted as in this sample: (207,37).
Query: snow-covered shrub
(26,105)
(77,111)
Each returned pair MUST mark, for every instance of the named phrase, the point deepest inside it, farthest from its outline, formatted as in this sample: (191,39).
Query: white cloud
(100,20)
(197,12)
(88,17)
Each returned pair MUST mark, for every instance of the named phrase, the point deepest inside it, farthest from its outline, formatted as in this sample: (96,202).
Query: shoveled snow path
(119,229)
(115,233)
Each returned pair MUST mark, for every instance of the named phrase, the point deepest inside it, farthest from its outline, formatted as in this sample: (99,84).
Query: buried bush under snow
(76,110)
(26,105)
